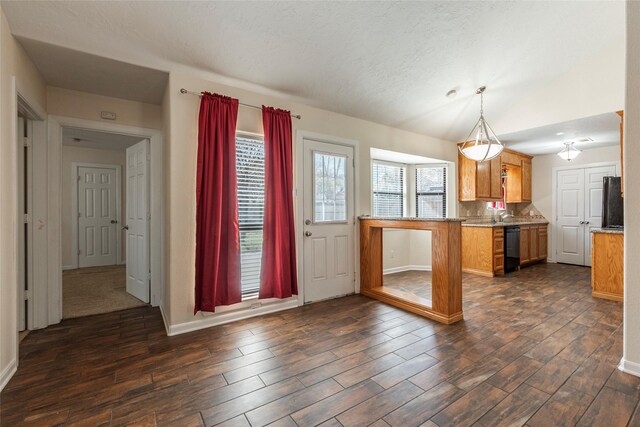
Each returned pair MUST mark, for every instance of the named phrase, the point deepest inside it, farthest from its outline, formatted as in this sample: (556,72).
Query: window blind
(431,192)
(388,189)
(250,173)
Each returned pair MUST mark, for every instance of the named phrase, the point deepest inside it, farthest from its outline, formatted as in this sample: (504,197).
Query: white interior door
(593,203)
(97,216)
(570,214)
(137,221)
(329,230)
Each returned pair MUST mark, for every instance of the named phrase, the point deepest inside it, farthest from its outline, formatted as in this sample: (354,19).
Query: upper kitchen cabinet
(479,180)
(483,180)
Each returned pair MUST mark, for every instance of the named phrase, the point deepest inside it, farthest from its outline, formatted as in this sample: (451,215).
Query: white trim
(404,268)
(301,135)
(7,373)
(628,367)
(553,221)
(215,319)
(164,319)
(68,267)
(56,123)
(75,262)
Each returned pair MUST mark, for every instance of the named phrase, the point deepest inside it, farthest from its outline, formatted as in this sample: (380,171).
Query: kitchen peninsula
(446,303)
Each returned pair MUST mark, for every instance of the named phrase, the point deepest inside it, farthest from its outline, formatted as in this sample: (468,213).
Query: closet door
(593,203)
(570,213)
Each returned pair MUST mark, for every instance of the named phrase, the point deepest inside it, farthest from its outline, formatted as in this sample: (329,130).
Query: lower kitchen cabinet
(483,250)
(607,265)
(533,244)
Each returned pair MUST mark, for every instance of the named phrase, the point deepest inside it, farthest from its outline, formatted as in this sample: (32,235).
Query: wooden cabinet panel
(526,180)
(466,178)
(524,245)
(514,184)
(483,250)
(496,178)
(607,266)
(483,180)
(543,243)
(533,244)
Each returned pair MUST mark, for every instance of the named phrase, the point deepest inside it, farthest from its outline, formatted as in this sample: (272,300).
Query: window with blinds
(431,192)
(250,172)
(388,189)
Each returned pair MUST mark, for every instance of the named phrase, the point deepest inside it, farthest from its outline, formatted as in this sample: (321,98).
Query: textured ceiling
(604,130)
(84,138)
(389,62)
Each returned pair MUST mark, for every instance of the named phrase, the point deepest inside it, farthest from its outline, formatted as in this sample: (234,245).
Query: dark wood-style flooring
(534,349)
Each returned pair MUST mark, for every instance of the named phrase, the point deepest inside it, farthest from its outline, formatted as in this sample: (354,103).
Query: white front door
(329,222)
(593,182)
(579,209)
(137,220)
(97,216)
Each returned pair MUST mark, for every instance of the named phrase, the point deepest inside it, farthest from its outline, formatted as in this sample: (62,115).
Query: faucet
(505,215)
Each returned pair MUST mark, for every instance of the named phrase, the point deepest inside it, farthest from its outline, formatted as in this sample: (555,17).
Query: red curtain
(217,231)
(278,277)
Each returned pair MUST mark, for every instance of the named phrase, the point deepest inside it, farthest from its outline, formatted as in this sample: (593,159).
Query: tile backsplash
(478,210)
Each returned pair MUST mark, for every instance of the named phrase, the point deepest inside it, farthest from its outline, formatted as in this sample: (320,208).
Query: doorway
(579,210)
(105,242)
(329,220)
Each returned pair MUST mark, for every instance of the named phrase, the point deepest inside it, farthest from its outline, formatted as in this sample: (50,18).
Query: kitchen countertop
(383,218)
(608,230)
(504,224)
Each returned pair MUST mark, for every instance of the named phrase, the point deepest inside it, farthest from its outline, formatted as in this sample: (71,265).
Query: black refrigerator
(612,202)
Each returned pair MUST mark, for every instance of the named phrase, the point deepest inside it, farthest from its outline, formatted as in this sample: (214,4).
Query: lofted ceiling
(388,62)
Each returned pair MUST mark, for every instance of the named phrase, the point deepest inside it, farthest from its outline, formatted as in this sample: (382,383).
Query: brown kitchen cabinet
(607,265)
(533,244)
(483,250)
(483,180)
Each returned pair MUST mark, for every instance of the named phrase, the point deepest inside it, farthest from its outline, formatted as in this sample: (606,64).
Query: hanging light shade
(569,152)
(485,145)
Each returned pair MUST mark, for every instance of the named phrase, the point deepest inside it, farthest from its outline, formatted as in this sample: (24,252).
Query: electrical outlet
(393,254)
(531,212)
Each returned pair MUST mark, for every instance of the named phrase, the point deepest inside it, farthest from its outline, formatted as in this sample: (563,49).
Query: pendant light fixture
(485,145)
(569,152)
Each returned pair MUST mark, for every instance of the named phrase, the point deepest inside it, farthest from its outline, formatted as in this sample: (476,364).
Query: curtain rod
(183,90)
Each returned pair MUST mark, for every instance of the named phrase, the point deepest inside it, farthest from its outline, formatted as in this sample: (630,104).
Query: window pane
(431,192)
(250,172)
(330,187)
(388,190)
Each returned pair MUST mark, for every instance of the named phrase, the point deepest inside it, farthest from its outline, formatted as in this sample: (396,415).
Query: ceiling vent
(586,139)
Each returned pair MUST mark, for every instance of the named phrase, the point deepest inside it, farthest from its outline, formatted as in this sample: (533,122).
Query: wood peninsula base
(607,264)
(446,303)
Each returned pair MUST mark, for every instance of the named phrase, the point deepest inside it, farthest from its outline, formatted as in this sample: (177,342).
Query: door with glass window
(329,221)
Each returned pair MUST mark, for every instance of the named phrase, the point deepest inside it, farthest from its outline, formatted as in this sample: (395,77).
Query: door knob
(586,222)
(581,222)
(113,221)
(308,222)
(126,227)
(308,233)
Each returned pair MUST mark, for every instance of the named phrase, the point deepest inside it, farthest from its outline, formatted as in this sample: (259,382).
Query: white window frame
(447,186)
(405,177)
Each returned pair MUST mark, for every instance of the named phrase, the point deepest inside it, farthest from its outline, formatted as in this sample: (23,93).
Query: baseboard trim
(406,268)
(632,368)
(68,267)
(164,319)
(7,374)
(228,317)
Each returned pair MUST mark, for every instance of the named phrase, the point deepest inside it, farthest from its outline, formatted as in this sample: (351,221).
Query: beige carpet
(95,290)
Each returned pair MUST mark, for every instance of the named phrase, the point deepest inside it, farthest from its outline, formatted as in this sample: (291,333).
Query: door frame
(299,172)
(554,199)
(75,244)
(156,180)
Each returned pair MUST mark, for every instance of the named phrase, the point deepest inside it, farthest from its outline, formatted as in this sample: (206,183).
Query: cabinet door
(496,178)
(526,180)
(483,180)
(533,243)
(524,245)
(466,178)
(542,242)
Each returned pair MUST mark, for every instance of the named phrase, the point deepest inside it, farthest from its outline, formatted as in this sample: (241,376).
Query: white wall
(181,161)
(631,353)
(13,62)
(542,180)
(404,250)
(87,155)
(83,105)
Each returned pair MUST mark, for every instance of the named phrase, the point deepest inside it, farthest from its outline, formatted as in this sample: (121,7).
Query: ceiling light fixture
(569,152)
(486,144)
